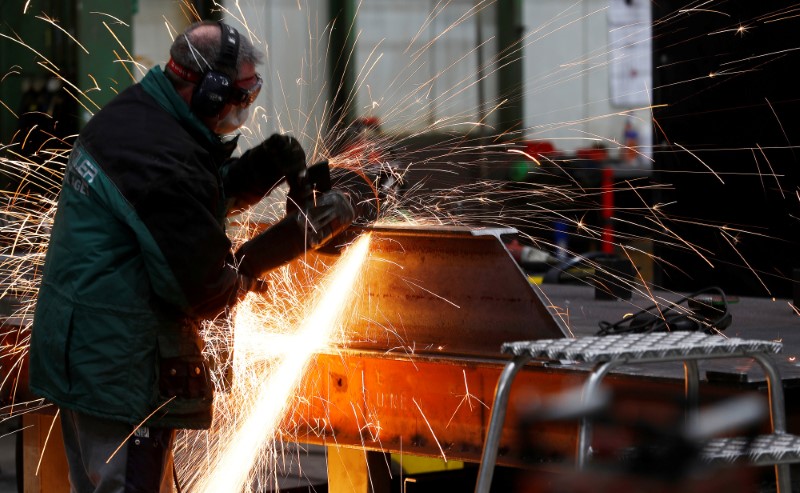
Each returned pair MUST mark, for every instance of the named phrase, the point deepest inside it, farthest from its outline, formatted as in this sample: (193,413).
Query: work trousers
(106,456)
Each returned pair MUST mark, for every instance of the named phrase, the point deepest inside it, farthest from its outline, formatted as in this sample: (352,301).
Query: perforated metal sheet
(764,450)
(631,347)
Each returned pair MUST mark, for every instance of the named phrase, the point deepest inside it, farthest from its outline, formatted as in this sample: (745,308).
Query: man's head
(214,69)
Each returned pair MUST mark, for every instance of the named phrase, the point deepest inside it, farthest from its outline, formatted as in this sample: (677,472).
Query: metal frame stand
(609,352)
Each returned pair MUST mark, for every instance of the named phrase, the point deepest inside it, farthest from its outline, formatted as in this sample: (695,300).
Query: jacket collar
(156,84)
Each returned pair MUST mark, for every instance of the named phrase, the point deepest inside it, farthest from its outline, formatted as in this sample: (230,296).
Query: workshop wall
(578,58)
(25,35)
(420,67)
(738,185)
(294,93)
(417,64)
(154,25)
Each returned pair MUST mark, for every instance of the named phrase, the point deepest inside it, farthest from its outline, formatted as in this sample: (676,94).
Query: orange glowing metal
(273,393)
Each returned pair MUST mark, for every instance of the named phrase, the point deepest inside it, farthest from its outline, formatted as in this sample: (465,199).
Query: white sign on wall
(630,52)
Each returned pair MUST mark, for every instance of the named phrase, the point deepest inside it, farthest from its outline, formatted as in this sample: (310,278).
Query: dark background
(723,120)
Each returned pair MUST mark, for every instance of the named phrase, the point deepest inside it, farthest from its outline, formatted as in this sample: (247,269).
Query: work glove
(330,215)
(248,178)
(280,243)
(285,153)
(296,233)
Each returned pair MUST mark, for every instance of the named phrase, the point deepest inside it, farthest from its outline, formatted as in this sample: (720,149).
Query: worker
(138,258)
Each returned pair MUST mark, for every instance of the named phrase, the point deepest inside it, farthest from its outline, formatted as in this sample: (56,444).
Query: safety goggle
(244,97)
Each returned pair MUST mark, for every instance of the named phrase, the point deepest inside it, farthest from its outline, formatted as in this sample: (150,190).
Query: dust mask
(235,118)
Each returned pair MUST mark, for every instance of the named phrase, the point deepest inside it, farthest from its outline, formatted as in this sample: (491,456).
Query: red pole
(607,209)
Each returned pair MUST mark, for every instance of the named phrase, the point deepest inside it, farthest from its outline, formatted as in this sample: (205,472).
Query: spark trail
(260,420)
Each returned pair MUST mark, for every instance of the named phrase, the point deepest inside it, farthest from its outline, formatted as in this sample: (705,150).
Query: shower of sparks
(260,417)
(467,397)
(430,428)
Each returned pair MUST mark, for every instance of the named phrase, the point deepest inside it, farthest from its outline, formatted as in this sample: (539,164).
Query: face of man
(236,111)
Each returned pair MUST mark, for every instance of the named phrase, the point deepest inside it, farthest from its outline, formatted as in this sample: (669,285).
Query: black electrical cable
(704,315)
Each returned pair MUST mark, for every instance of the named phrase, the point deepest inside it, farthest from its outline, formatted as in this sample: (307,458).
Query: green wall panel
(104,28)
(62,32)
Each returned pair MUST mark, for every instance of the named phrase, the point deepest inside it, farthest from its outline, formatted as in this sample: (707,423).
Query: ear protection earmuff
(214,88)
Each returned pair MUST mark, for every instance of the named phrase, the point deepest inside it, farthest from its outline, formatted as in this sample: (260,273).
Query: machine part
(763,450)
(372,190)
(366,190)
(661,346)
(275,246)
(305,184)
(315,193)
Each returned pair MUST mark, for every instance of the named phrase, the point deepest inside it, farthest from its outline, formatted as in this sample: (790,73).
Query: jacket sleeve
(248,178)
(189,259)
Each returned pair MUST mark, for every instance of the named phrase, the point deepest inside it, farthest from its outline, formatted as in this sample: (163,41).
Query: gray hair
(199,51)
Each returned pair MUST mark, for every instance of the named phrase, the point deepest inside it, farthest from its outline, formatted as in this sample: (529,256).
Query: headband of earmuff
(214,88)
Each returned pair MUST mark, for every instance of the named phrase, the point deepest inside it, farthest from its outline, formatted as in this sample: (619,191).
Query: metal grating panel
(661,345)
(763,450)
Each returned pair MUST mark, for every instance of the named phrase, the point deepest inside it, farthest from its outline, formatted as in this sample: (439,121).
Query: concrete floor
(309,474)
(306,470)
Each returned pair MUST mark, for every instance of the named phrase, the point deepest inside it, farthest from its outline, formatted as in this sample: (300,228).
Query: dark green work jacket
(138,256)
